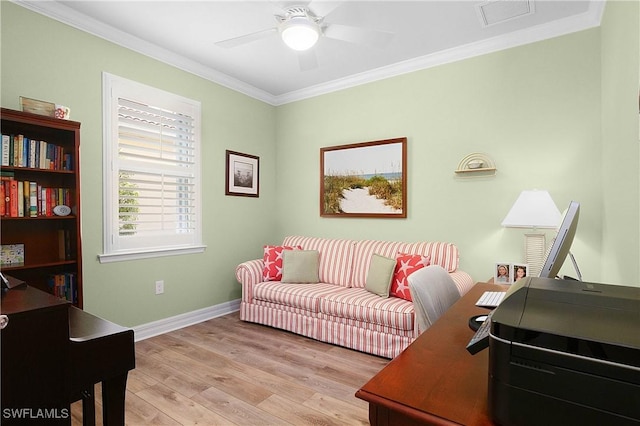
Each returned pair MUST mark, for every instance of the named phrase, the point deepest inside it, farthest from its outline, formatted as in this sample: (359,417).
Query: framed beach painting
(242,174)
(367,179)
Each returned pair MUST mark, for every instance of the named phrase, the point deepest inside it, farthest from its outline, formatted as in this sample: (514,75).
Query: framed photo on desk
(503,273)
(520,270)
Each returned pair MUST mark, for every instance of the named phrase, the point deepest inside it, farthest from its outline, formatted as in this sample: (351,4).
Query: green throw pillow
(379,275)
(300,266)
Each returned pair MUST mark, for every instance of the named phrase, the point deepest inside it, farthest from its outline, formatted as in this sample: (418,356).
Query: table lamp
(533,209)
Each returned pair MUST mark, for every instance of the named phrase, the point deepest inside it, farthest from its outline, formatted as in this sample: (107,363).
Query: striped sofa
(338,309)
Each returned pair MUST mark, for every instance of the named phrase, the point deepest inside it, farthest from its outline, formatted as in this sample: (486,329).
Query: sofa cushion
(294,295)
(272,259)
(335,259)
(359,304)
(300,266)
(443,254)
(380,275)
(362,258)
(406,264)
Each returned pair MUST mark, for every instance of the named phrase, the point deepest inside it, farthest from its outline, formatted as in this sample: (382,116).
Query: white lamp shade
(533,209)
(299,33)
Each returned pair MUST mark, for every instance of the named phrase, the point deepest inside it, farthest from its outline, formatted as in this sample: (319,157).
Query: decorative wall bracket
(476,164)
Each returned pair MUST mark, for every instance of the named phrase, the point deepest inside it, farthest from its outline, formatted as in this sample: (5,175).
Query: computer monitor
(562,242)
(552,264)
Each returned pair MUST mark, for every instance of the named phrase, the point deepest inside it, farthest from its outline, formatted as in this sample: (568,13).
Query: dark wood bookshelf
(52,244)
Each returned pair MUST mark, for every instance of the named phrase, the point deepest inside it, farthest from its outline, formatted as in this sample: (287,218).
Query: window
(151,172)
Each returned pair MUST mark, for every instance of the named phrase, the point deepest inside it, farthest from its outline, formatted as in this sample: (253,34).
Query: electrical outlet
(159,287)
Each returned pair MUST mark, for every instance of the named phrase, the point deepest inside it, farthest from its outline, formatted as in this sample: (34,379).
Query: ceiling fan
(301,26)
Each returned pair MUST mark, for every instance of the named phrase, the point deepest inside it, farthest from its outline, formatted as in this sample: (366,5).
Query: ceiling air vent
(497,11)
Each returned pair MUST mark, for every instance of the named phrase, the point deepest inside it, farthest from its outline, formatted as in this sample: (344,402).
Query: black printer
(565,352)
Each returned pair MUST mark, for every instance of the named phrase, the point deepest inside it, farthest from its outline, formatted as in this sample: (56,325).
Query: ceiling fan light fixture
(300,33)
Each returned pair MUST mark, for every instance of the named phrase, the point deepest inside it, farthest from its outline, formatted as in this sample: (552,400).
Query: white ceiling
(426,33)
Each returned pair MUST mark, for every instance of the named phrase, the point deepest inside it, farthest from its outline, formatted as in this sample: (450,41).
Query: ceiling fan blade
(373,38)
(308,60)
(323,8)
(278,6)
(247,38)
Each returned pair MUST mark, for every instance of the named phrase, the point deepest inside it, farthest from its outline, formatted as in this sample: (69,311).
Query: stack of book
(20,151)
(28,198)
(64,286)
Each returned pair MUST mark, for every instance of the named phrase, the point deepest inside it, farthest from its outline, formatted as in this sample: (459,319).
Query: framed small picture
(503,273)
(12,254)
(35,106)
(520,270)
(242,174)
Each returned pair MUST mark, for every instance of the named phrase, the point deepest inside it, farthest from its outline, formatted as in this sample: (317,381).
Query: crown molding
(55,10)
(66,15)
(589,19)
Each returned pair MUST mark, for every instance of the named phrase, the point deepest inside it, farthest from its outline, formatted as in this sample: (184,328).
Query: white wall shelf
(476,164)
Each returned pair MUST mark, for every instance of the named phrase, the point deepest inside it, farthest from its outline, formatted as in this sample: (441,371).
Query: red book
(13,198)
(3,209)
(48,208)
(7,197)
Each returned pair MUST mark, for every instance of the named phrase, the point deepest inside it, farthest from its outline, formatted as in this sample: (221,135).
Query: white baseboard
(165,325)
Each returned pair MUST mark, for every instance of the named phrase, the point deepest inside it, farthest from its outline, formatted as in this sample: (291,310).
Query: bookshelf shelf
(21,266)
(48,170)
(32,219)
(37,170)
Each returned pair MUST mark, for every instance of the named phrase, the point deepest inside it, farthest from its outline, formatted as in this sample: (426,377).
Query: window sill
(149,254)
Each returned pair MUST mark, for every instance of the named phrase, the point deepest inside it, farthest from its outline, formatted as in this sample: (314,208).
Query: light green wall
(559,114)
(534,109)
(620,140)
(554,115)
(61,64)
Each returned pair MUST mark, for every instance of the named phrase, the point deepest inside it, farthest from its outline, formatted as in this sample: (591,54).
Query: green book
(33,199)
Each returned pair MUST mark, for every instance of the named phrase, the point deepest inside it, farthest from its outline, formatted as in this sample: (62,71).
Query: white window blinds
(153,165)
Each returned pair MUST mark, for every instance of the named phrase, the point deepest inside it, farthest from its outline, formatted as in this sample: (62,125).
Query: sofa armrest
(463,281)
(248,274)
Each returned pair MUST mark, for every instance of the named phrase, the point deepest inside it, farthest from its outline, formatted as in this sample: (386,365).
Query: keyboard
(480,340)
(491,299)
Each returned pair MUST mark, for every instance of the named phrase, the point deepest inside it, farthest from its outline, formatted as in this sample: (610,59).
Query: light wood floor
(228,372)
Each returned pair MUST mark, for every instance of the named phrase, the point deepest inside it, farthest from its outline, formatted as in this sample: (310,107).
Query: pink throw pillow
(406,264)
(272,270)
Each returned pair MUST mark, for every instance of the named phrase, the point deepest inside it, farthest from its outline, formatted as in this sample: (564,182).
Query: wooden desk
(33,362)
(435,380)
(100,351)
(53,354)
